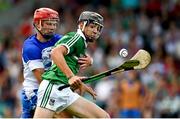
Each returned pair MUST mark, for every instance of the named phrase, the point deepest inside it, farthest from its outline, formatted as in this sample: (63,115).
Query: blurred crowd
(152,25)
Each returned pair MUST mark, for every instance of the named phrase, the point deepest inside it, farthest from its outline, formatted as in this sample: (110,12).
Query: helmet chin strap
(44,36)
(84,24)
(87,38)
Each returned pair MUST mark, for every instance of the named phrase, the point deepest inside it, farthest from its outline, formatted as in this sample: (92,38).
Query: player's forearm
(57,56)
(37,73)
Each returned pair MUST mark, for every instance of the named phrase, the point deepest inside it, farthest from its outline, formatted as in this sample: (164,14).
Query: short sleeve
(31,55)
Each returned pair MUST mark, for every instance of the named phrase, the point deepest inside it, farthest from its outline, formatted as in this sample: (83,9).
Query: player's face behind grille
(92,31)
(48,26)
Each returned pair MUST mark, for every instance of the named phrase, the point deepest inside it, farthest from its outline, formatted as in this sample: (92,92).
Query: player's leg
(62,114)
(86,109)
(28,100)
(44,102)
(46,113)
(41,112)
(50,99)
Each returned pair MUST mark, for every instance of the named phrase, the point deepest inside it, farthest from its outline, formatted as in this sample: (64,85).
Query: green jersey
(76,45)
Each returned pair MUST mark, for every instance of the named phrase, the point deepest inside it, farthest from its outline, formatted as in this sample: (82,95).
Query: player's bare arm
(75,81)
(37,73)
(57,56)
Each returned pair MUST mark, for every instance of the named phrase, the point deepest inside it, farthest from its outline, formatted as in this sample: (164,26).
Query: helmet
(45,13)
(91,17)
(88,17)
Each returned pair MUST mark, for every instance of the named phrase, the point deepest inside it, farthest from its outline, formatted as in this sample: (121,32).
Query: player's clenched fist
(75,81)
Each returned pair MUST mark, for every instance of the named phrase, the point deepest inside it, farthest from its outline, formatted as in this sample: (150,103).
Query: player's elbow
(57,52)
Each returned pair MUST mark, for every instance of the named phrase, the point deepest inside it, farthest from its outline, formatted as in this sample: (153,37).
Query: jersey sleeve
(31,55)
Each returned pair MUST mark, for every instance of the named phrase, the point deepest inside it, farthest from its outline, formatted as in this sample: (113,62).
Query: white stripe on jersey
(34,64)
(73,40)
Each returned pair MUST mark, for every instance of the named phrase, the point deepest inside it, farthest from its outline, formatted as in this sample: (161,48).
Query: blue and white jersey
(36,54)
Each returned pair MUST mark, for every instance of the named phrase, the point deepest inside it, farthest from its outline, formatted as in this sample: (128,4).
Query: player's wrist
(69,77)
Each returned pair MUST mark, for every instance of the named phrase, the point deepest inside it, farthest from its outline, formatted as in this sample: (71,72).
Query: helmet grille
(91,17)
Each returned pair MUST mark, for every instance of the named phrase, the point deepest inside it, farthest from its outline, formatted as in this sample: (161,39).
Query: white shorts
(51,98)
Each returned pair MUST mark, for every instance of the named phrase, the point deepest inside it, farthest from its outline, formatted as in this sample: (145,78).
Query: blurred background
(153,25)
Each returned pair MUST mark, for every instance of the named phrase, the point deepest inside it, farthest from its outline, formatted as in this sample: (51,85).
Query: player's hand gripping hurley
(139,61)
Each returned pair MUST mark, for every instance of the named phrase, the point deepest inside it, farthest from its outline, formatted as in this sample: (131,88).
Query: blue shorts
(130,113)
(28,103)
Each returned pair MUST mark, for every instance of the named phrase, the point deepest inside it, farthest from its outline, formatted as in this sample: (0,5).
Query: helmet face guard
(94,18)
(100,26)
(93,31)
(47,21)
(48,27)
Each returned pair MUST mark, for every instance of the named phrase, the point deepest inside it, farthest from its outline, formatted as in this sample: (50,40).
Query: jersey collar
(82,35)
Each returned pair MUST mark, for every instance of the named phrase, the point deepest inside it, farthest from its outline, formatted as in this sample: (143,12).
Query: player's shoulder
(30,40)
(58,35)
(66,37)
(30,43)
(69,35)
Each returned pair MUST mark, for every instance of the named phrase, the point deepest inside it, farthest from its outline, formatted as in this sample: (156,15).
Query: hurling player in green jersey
(65,56)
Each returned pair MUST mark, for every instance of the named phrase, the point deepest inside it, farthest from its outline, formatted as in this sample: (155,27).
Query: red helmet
(45,13)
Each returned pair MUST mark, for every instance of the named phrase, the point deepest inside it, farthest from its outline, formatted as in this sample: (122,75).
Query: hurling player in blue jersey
(36,57)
